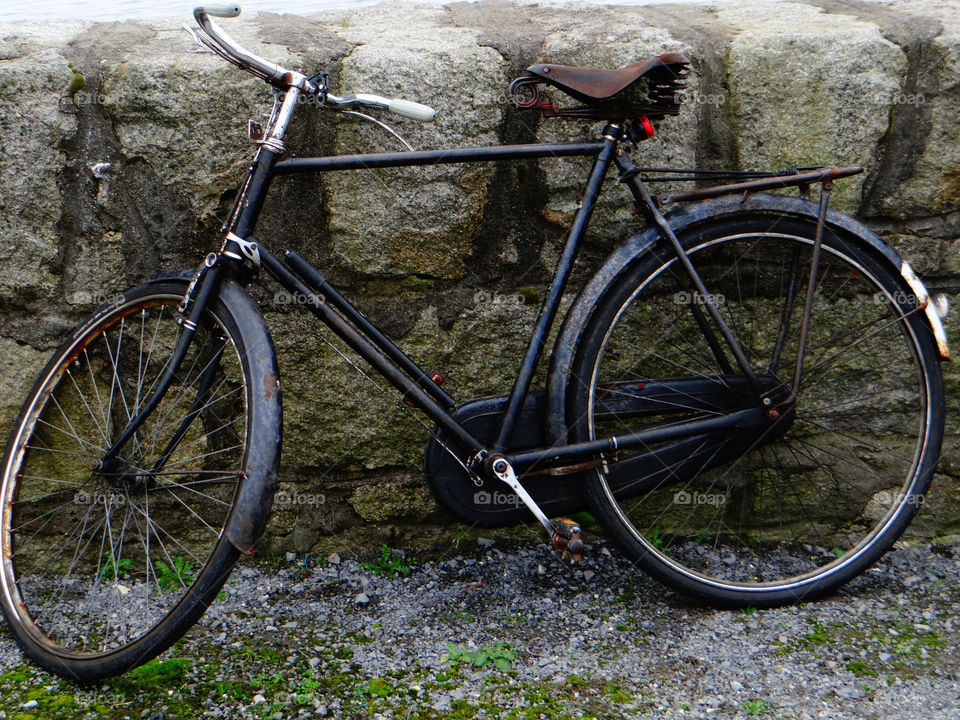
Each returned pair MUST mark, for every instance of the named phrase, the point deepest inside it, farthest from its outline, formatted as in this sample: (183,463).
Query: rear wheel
(792,510)
(101,571)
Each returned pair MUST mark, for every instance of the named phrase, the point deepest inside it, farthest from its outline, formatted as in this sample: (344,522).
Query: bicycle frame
(242,255)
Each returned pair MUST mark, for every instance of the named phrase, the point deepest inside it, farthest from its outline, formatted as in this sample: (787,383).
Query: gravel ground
(500,630)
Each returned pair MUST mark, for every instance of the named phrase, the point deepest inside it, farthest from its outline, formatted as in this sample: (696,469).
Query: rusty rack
(802,177)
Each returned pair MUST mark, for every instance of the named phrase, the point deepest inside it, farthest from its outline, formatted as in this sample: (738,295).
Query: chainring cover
(493,504)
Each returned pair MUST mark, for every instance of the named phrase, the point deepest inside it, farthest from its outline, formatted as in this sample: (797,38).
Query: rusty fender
(265,417)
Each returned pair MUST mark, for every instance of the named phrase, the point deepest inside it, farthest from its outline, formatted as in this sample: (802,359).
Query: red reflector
(647,127)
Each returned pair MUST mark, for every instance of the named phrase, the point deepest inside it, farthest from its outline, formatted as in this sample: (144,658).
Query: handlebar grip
(225,10)
(410,109)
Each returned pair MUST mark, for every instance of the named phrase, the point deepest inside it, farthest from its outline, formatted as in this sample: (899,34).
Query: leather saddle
(651,87)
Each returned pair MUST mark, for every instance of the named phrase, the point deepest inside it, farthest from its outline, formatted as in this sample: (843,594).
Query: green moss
(414,282)
(861,669)
(617,693)
(17,675)
(529,295)
(376,687)
(819,635)
(159,672)
(76,83)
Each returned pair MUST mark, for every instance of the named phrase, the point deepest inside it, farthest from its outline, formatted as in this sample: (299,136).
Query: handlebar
(229,49)
(404,108)
(225,11)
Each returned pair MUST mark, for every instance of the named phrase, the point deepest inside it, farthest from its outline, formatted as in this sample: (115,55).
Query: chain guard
(493,504)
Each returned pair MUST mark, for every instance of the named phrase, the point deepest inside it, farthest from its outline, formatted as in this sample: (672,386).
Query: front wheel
(102,570)
(792,510)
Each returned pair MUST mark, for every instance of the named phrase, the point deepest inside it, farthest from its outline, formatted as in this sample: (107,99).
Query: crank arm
(504,472)
(566,538)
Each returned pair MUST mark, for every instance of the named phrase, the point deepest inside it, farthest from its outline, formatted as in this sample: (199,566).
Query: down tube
(370,353)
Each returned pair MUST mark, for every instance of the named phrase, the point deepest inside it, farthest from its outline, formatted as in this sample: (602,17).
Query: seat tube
(548,311)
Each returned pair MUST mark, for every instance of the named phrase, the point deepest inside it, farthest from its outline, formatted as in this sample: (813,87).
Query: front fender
(683,218)
(251,510)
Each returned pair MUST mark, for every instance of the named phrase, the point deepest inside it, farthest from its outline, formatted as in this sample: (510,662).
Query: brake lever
(194,34)
(205,42)
(208,44)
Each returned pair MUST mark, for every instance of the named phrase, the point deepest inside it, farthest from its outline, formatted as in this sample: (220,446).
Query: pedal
(567,541)
(565,536)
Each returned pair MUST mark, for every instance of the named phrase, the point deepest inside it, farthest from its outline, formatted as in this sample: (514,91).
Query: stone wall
(449,260)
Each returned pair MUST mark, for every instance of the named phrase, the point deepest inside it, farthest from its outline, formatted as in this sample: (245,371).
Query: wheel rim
(763,520)
(92,563)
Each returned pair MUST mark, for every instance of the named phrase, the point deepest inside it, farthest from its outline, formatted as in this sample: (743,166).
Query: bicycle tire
(795,511)
(101,573)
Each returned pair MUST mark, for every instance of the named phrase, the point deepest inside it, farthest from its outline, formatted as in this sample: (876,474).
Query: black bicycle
(747,394)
